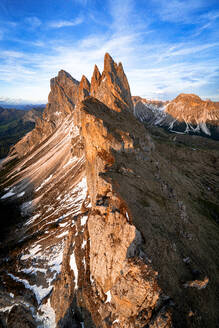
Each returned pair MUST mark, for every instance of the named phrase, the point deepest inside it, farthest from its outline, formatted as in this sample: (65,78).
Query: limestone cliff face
(61,102)
(187,113)
(113,234)
(157,103)
(112,87)
(123,284)
(192,109)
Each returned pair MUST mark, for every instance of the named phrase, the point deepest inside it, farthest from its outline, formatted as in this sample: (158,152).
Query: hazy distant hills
(14,124)
(19,103)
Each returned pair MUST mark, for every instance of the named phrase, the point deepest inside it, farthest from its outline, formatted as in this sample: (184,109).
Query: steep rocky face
(112,87)
(61,102)
(123,283)
(187,113)
(155,103)
(83,89)
(115,228)
(193,110)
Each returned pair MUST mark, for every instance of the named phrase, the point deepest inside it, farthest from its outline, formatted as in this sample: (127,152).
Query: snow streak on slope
(52,180)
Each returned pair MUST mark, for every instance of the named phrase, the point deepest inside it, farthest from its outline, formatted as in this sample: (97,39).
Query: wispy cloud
(156,67)
(206,22)
(33,21)
(178,11)
(65,23)
(11,54)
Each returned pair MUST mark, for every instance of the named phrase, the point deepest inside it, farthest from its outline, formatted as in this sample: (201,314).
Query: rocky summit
(107,221)
(186,114)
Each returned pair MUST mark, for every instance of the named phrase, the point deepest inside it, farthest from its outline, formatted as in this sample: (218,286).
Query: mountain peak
(95,81)
(108,62)
(83,89)
(112,87)
(63,76)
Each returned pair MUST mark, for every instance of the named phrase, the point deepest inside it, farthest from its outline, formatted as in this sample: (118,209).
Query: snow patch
(44,182)
(48,317)
(31,220)
(62,225)
(6,308)
(109,297)
(65,233)
(39,292)
(73,266)
(25,207)
(21,194)
(32,251)
(84,220)
(10,193)
(71,160)
(83,244)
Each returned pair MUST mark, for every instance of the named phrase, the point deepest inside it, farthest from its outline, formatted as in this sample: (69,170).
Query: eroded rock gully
(113,235)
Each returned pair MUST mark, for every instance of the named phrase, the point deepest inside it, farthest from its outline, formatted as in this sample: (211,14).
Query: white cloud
(178,11)
(11,54)
(64,23)
(33,21)
(157,69)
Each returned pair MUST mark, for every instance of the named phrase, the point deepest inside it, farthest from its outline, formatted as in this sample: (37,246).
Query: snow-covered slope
(187,114)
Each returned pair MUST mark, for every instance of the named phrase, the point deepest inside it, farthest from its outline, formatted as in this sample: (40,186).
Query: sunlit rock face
(61,102)
(112,87)
(106,228)
(187,114)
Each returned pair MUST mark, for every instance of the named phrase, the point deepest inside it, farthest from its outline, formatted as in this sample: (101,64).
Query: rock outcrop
(192,109)
(112,87)
(187,113)
(61,103)
(114,227)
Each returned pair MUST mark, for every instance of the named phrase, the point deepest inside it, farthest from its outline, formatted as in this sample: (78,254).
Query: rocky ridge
(187,113)
(108,238)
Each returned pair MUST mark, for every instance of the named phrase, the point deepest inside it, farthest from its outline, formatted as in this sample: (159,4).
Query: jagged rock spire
(95,81)
(83,89)
(112,87)
(65,82)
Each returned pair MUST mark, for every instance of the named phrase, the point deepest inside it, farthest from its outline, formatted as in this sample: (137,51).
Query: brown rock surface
(126,209)
(61,102)
(192,109)
(112,87)
(83,89)
(125,284)
(158,103)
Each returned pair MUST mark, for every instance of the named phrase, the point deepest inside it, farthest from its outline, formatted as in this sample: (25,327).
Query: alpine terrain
(186,114)
(107,220)
(14,124)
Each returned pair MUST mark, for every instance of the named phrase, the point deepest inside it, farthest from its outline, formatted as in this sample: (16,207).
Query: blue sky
(166,46)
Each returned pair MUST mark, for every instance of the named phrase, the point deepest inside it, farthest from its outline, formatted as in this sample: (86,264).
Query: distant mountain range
(14,124)
(19,103)
(186,114)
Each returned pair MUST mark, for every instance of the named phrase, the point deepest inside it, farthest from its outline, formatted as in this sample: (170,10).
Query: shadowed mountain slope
(115,223)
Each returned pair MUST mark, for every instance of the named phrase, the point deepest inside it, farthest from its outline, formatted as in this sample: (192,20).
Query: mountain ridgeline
(14,124)
(108,221)
(186,114)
